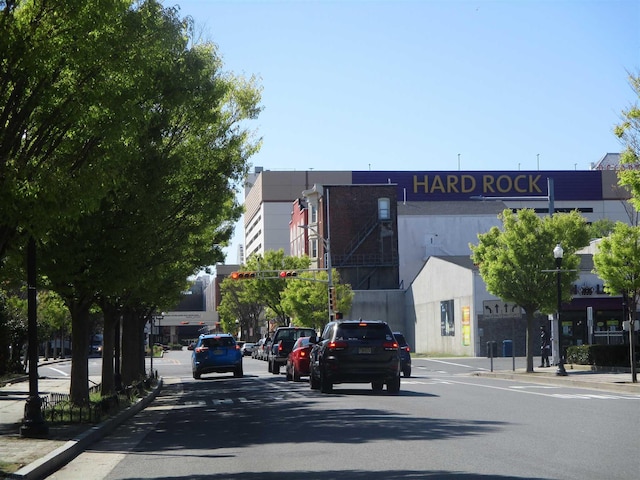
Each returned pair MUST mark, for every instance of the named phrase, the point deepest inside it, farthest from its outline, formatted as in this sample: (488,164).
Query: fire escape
(373,261)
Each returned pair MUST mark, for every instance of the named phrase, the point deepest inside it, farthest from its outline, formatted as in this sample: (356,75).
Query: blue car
(216,353)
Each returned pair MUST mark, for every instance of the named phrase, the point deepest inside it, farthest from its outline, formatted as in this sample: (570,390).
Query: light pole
(327,247)
(558,253)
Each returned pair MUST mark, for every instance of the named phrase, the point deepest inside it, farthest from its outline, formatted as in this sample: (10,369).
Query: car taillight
(237,347)
(201,349)
(303,354)
(407,349)
(338,345)
(280,347)
(390,345)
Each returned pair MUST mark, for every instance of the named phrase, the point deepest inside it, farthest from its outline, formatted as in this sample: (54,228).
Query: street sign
(498,308)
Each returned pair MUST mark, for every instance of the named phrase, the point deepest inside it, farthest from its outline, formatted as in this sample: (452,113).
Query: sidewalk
(36,458)
(578,376)
(41,457)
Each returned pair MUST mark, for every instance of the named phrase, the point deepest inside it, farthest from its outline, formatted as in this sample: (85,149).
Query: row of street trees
(121,146)
(302,300)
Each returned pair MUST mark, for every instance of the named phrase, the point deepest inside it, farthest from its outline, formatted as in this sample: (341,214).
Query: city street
(444,423)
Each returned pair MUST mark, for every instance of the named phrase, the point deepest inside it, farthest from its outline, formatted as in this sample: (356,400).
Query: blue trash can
(507,348)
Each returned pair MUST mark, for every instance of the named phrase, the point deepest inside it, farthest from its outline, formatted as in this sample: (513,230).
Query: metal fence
(57,407)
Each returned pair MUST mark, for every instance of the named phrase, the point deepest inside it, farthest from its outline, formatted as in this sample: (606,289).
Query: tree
(268,292)
(601,228)
(306,298)
(175,198)
(236,305)
(516,262)
(617,262)
(628,131)
(69,93)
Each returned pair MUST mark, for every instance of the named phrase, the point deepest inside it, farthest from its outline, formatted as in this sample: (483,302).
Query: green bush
(599,355)
(579,355)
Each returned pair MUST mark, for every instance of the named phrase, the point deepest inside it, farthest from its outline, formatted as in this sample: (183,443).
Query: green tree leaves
(512,261)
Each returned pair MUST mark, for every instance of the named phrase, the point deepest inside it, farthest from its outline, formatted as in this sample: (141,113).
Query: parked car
(405,354)
(355,351)
(217,353)
(298,360)
(257,349)
(282,344)
(247,348)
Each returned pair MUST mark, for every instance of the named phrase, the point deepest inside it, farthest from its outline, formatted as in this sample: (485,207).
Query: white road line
(456,364)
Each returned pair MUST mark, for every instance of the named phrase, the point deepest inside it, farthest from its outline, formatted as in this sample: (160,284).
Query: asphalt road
(443,424)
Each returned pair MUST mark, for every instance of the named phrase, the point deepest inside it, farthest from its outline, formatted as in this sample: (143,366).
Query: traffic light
(288,274)
(242,275)
(332,298)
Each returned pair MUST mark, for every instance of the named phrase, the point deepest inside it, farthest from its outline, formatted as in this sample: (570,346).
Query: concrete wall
(440,281)
(386,305)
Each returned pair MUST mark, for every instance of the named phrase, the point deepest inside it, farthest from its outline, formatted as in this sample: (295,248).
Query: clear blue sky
(430,85)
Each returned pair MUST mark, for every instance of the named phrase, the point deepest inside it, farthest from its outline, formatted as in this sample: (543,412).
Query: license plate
(218,352)
(364,350)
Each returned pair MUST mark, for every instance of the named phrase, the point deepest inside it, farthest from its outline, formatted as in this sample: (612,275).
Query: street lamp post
(558,253)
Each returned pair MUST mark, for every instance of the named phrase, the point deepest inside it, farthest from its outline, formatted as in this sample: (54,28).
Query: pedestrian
(545,348)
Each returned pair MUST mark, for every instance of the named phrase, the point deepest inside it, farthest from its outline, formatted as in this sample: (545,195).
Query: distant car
(247,348)
(283,340)
(355,351)
(217,353)
(298,360)
(405,354)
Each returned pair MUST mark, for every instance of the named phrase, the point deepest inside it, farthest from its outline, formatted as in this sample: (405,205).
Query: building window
(314,214)
(384,209)
(447,322)
(313,247)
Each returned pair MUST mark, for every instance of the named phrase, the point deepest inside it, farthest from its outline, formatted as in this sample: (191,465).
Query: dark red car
(298,360)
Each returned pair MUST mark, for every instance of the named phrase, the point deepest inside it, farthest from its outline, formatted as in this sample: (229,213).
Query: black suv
(283,340)
(355,351)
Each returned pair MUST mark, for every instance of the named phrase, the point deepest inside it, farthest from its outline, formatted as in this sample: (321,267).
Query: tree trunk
(133,355)
(111,313)
(530,337)
(80,352)
(632,346)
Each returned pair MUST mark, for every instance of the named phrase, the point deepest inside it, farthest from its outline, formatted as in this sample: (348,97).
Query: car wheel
(196,375)
(295,374)
(407,372)
(287,373)
(269,367)
(325,384)
(275,368)
(313,382)
(377,386)
(394,385)
(238,372)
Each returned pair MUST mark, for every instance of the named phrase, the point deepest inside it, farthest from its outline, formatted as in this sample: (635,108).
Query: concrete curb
(62,455)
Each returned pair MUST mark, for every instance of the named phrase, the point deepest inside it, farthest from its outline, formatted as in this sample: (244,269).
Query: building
(412,268)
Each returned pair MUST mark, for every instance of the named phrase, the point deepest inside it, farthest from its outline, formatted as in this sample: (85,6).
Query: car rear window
(218,342)
(294,334)
(368,331)
(400,338)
